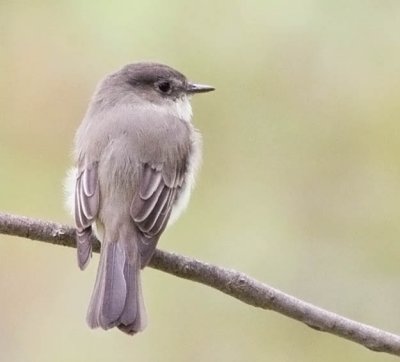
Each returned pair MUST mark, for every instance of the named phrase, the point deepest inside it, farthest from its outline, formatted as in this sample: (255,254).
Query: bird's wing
(152,204)
(87,199)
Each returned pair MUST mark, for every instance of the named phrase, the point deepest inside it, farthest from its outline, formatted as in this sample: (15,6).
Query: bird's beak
(198,88)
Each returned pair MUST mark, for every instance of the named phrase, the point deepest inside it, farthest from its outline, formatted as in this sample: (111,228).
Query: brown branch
(231,282)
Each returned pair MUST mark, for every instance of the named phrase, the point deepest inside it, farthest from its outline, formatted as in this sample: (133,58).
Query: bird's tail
(117,299)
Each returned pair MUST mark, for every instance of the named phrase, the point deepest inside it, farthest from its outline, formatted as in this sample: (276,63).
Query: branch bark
(231,282)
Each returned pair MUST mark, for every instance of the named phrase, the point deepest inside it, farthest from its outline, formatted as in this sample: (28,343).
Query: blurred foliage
(299,185)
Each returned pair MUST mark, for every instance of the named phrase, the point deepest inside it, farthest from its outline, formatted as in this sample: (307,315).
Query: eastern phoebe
(136,155)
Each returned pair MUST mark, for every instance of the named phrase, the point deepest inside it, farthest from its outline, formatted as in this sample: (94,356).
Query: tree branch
(231,282)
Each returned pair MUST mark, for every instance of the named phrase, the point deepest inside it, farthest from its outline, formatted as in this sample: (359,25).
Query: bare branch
(231,282)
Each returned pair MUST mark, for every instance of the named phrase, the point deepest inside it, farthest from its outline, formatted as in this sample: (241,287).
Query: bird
(136,157)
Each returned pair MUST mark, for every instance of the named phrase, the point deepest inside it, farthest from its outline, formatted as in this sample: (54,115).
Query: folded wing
(152,205)
(86,209)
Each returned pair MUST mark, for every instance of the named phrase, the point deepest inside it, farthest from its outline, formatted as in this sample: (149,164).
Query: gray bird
(136,157)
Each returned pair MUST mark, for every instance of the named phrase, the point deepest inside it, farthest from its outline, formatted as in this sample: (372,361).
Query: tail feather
(133,318)
(117,297)
(130,308)
(93,313)
(114,285)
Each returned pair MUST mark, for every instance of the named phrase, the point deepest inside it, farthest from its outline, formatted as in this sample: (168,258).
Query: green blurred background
(300,184)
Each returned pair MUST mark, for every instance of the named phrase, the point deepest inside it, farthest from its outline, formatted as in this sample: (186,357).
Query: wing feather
(142,208)
(87,199)
(152,205)
(150,181)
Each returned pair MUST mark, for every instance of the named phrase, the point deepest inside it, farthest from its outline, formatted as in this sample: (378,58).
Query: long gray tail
(117,299)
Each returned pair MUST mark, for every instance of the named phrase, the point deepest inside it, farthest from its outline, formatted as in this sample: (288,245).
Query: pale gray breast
(127,137)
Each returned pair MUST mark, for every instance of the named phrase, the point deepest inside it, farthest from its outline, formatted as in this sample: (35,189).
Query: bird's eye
(164,87)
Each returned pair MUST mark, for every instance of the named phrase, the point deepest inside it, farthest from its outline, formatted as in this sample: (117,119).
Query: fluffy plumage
(136,155)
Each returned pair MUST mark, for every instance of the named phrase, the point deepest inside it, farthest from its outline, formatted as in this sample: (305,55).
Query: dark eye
(164,87)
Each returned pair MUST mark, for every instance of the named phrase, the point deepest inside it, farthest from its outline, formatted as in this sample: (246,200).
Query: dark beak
(198,88)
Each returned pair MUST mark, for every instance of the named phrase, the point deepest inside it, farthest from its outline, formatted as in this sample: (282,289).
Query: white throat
(183,108)
(180,108)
